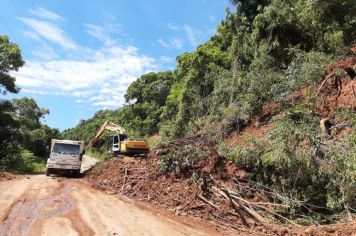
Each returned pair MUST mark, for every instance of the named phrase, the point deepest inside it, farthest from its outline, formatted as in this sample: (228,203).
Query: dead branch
(279,216)
(269,204)
(125,178)
(267,210)
(248,209)
(322,84)
(196,206)
(208,202)
(339,126)
(215,206)
(237,208)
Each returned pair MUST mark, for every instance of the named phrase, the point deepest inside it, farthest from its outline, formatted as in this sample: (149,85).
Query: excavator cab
(113,143)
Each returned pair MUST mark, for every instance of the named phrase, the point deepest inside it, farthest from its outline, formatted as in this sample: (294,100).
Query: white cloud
(98,32)
(175,43)
(31,35)
(172,26)
(46,14)
(163,43)
(102,80)
(45,53)
(166,59)
(192,34)
(98,77)
(50,32)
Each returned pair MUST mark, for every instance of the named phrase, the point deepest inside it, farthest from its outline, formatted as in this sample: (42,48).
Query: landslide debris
(212,190)
(189,188)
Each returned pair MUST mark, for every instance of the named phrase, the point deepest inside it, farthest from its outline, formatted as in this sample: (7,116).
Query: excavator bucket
(96,143)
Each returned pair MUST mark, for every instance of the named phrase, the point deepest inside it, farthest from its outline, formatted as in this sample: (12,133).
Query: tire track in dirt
(32,208)
(76,209)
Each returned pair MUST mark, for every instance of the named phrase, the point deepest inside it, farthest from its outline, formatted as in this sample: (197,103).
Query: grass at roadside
(32,168)
(100,155)
(38,167)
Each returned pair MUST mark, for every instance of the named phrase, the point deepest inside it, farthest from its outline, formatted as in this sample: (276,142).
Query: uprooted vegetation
(239,120)
(191,178)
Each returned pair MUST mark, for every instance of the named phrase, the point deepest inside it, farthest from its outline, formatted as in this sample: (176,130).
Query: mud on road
(40,205)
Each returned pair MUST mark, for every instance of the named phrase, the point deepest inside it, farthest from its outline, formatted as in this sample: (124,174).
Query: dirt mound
(338,90)
(173,191)
(207,187)
(334,96)
(215,192)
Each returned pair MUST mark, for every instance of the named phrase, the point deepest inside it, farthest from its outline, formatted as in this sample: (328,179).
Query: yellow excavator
(119,144)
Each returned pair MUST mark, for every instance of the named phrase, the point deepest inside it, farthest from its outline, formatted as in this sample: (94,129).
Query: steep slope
(241,113)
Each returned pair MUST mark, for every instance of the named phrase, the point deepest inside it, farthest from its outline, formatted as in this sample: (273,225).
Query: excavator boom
(109,126)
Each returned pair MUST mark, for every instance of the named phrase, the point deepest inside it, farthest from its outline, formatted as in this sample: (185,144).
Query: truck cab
(65,157)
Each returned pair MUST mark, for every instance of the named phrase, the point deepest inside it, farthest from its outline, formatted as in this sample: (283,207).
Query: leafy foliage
(23,138)
(146,98)
(302,164)
(10,59)
(261,52)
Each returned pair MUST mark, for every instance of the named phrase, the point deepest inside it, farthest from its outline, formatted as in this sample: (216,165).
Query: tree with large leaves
(10,60)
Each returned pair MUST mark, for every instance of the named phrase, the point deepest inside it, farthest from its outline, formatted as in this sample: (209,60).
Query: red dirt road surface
(40,205)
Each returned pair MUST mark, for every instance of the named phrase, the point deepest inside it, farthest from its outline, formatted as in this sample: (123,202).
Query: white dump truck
(65,157)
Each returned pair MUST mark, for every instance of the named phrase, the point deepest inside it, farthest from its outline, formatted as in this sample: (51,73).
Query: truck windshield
(65,148)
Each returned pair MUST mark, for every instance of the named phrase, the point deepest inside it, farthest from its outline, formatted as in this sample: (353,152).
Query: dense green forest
(24,140)
(263,51)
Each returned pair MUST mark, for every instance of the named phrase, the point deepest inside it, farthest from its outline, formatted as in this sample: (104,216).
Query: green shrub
(299,162)
(100,154)
(28,163)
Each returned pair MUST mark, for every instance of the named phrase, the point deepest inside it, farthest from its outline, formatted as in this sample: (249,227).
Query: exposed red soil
(338,92)
(334,96)
(256,132)
(178,193)
(178,190)
(348,62)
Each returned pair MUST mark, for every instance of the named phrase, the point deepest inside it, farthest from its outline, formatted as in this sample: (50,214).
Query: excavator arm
(107,126)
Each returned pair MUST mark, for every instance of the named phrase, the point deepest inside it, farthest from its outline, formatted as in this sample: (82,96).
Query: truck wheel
(48,172)
(76,174)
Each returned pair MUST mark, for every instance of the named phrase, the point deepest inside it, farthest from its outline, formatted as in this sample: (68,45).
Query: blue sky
(81,55)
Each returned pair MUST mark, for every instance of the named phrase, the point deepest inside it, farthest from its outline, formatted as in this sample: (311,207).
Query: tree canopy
(10,60)
(23,137)
(261,52)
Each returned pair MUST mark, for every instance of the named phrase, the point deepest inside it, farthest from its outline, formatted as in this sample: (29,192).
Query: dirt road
(40,205)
